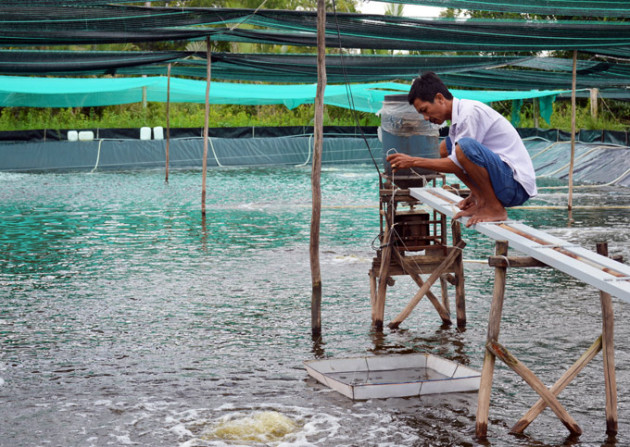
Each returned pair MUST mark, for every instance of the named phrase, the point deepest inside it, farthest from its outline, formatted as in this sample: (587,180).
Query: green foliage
(181,115)
(613,115)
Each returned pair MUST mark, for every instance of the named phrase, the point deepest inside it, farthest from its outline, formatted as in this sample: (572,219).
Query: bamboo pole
(608,348)
(557,387)
(444,290)
(528,376)
(460,294)
(168,119)
(378,311)
(573,113)
(594,92)
(494,325)
(206,123)
(316,276)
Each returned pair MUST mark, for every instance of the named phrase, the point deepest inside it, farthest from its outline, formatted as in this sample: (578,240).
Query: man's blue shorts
(508,191)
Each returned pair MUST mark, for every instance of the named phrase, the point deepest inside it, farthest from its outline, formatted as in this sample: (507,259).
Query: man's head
(431,98)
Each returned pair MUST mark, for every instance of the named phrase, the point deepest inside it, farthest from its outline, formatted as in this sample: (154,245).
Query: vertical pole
(594,92)
(168,118)
(573,113)
(494,324)
(204,164)
(535,112)
(316,276)
(378,311)
(460,295)
(608,352)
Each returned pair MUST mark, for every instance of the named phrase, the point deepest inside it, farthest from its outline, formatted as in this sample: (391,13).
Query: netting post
(316,276)
(204,165)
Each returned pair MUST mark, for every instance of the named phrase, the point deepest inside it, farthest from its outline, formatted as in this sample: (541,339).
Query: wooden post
(316,276)
(168,119)
(494,325)
(206,123)
(608,351)
(573,113)
(444,289)
(460,294)
(378,312)
(594,93)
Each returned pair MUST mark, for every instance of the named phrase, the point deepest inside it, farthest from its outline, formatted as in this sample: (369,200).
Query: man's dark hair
(426,87)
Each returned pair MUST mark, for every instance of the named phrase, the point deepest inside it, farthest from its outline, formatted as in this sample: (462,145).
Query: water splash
(263,426)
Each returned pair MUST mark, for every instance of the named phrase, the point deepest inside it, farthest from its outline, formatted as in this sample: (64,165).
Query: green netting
(64,24)
(581,8)
(293,68)
(18,91)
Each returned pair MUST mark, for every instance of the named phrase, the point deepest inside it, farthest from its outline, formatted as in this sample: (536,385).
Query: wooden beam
(523,261)
(414,274)
(557,387)
(550,399)
(427,285)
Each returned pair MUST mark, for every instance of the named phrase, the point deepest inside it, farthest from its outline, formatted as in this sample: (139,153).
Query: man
(482,149)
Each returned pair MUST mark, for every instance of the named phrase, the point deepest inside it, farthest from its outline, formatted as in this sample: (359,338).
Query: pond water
(127,319)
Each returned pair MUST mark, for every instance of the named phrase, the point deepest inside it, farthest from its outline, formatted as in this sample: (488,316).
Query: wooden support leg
(536,384)
(373,289)
(378,315)
(444,288)
(494,324)
(557,388)
(460,298)
(446,263)
(608,351)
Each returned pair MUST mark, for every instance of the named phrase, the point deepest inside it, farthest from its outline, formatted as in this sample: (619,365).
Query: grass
(613,115)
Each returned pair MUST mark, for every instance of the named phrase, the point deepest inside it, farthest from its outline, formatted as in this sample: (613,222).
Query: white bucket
(86,135)
(158,133)
(145,133)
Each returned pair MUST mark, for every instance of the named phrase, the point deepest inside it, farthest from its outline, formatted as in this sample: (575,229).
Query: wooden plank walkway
(599,271)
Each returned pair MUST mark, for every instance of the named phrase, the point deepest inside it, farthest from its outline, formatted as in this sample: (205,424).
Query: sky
(409,11)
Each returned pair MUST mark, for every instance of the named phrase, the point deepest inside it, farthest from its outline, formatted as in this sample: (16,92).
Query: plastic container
(158,133)
(86,135)
(145,133)
(73,135)
(404,130)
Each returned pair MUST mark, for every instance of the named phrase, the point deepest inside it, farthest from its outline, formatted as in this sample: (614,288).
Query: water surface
(127,319)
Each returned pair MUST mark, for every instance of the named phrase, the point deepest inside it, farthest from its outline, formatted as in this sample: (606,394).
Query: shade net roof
(472,71)
(74,23)
(233,66)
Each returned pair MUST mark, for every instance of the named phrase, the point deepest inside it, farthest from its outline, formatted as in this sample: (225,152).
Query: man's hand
(401,161)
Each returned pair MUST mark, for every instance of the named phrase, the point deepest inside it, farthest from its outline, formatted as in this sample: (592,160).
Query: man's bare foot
(484,214)
(467,202)
(466,212)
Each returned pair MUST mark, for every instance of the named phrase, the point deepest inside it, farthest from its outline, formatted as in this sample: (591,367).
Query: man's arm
(443,149)
(403,161)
